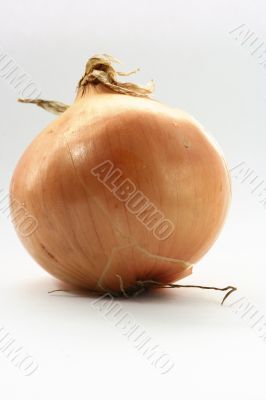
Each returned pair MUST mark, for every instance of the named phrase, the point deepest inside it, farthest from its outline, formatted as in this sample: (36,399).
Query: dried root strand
(143,286)
(228,289)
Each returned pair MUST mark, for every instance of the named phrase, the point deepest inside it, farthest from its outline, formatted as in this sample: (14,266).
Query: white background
(197,65)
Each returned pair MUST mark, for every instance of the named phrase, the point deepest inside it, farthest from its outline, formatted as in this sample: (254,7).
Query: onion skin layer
(86,236)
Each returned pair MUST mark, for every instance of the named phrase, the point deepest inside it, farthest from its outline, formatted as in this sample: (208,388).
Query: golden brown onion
(124,188)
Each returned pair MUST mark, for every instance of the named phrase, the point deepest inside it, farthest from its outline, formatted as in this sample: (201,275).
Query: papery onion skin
(86,236)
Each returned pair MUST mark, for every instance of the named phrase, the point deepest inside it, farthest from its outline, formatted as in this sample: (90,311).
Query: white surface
(186,48)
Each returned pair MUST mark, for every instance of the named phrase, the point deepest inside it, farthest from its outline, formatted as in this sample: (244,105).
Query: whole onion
(126,190)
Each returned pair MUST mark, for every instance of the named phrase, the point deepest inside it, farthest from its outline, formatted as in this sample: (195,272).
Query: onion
(127,192)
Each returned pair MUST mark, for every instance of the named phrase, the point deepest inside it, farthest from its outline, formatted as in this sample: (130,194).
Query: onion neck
(99,77)
(91,89)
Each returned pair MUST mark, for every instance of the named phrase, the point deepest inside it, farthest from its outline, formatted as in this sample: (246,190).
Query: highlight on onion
(128,193)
